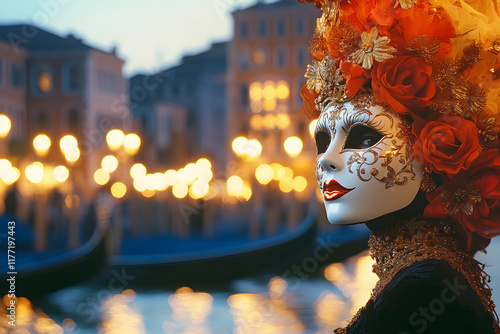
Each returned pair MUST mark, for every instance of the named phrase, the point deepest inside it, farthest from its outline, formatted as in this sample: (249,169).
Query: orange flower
(404,83)
(309,107)
(355,75)
(448,144)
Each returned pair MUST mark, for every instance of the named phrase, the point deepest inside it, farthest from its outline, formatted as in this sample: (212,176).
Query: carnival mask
(365,166)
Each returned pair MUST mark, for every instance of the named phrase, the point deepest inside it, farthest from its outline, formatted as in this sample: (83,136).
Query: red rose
(309,106)
(403,83)
(485,173)
(356,77)
(485,218)
(449,145)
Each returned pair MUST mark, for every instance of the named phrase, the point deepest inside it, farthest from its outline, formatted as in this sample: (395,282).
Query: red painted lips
(334,190)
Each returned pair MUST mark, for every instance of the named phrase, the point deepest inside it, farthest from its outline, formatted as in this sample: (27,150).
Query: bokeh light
(118,190)
(4,126)
(286,184)
(60,174)
(299,183)
(282,91)
(115,138)
(41,143)
(312,127)
(293,146)
(34,172)
(132,142)
(101,176)
(234,185)
(264,174)
(180,190)
(138,170)
(109,163)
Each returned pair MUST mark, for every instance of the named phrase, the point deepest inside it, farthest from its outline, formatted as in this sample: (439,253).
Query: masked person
(407,96)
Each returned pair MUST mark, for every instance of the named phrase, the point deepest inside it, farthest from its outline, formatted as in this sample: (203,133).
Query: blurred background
(160,175)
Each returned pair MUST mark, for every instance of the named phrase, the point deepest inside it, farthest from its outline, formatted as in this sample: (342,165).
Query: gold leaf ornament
(372,47)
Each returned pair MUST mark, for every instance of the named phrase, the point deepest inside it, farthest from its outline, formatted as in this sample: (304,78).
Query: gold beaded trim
(418,239)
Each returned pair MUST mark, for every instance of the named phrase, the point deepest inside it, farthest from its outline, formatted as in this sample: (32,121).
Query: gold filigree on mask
(400,149)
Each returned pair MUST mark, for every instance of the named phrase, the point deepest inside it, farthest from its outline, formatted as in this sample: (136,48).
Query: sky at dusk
(150,34)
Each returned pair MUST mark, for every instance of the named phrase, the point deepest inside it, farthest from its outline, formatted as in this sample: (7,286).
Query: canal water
(260,305)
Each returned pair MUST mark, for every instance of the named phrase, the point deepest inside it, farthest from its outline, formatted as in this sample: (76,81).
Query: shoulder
(427,297)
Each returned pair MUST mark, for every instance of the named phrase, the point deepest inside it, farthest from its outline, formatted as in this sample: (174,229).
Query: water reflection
(189,312)
(27,319)
(264,313)
(335,310)
(120,317)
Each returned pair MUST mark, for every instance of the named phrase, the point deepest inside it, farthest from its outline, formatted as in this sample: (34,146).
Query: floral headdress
(438,63)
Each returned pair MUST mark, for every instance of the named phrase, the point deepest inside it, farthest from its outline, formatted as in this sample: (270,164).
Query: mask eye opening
(322,142)
(361,137)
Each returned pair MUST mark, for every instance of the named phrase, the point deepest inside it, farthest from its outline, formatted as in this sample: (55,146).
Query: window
(280,57)
(301,57)
(300,26)
(16,76)
(72,77)
(260,57)
(281,27)
(244,95)
(108,81)
(1,70)
(262,29)
(244,61)
(73,121)
(44,78)
(244,30)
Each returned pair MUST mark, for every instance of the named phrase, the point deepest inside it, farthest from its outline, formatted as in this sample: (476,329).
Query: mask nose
(331,160)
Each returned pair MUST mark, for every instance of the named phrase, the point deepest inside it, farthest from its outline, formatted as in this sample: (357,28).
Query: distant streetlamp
(41,144)
(4,126)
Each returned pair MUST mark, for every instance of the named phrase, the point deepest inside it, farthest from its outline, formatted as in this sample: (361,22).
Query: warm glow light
(256,91)
(118,190)
(101,176)
(282,91)
(10,176)
(72,156)
(34,172)
(276,171)
(256,122)
(254,148)
(256,106)
(293,146)
(115,138)
(234,185)
(60,174)
(288,172)
(245,194)
(269,92)
(269,105)
(180,190)
(264,174)
(72,201)
(312,127)
(140,184)
(286,184)
(269,121)
(68,143)
(186,175)
(172,177)
(282,121)
(239,145)
(41,143)
(138,170)
(109,163)
(148,193)
(132,142)
(204,163)
(5,165)
(299,183)
(4,126)
(199,189)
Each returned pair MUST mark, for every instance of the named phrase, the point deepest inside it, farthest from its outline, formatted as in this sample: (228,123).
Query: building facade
(61,86)
(267,60)
(195,93)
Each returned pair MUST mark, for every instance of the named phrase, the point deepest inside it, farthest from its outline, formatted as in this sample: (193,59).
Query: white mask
(365,166)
